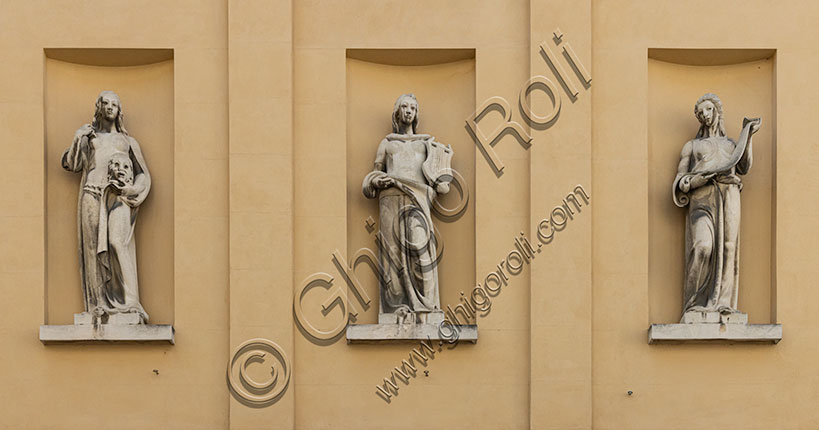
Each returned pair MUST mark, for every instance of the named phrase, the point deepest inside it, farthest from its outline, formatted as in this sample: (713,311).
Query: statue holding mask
(115,182)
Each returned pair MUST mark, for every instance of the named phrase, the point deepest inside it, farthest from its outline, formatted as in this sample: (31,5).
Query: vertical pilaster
(560,159)
(261,183)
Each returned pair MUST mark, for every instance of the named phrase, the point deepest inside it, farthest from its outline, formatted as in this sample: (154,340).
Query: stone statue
(115,181)
(707,182)
(410,171)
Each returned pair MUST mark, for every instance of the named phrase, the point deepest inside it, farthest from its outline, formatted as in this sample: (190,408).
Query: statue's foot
(727,310)
(143,316)
(402,313)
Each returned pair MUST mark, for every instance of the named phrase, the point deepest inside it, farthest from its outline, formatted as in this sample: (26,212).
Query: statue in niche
(410,170)
(115,181)
(708,183)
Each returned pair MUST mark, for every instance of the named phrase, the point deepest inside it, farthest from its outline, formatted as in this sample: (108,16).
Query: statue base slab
(83,318)
(122,332)
(714,332)
(123,319)
(87,318)
(434,317)
(696,317)
(401,333)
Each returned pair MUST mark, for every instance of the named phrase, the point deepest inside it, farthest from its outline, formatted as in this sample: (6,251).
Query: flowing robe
(407,257)
(712,222)
(105,223)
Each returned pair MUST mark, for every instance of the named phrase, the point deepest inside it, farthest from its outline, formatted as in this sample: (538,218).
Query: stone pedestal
(115,328)
(411,327)
(85,318)
(435,317)
(713,326)
(400,333)
(694,317)
(123,319)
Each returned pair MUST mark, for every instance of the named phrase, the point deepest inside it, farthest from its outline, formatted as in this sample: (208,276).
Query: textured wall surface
(259,119)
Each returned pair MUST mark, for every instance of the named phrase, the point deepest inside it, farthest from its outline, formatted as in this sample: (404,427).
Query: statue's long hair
(395,112)
(703,131)
(119,122)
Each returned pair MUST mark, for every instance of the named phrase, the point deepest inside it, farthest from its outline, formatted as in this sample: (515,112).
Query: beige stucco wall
(749,386)
(336,387)
(115,385)
(259,119)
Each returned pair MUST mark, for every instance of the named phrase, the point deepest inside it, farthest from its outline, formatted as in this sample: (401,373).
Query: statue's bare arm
(380,165)
(689,181)
(744,163)
(74,157)
(380,162)
(377,179)
(685,162)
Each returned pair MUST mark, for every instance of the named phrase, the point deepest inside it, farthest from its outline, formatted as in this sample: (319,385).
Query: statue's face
(121,169)
(707,113)
(109,106)
(407,110)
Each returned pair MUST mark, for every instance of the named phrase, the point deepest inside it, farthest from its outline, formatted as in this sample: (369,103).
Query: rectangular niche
(443,80)
(744,81)
(144,80)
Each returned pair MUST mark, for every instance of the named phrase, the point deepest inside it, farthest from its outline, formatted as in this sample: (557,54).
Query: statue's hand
(127,191)
(755,127)
(383,182)
(698,180)
(85,130)
(755,124)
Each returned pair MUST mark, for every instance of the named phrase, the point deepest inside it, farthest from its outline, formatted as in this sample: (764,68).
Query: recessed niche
(144,80)
(744,81)
(443,80)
